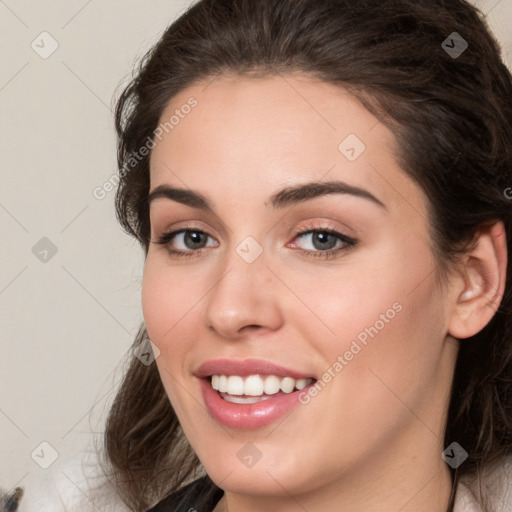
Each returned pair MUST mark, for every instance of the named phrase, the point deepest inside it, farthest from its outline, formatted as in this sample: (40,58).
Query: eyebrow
(281,199)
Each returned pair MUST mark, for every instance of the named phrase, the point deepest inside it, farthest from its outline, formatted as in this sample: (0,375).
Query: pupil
(193,239)
(323,238)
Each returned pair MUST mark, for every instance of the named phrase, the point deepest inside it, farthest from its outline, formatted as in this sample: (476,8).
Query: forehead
(258,134)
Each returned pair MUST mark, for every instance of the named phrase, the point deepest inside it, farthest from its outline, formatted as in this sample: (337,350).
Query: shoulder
(201,495)
(495,486)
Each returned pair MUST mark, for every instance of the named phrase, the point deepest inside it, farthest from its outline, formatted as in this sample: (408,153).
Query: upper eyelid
(302,230)
(299,233)
(188,226)
(223,229)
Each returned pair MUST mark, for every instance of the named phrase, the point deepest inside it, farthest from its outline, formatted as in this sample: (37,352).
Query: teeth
(287,385)
(247,400)
(253,386)
(235,385)
(301,383)
(256,386)
(223,383)
(272,385)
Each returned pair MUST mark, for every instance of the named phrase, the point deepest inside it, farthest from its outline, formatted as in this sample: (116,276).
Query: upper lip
(246,367)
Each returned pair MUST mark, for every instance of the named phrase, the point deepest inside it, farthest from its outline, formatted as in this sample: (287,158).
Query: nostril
(251,327)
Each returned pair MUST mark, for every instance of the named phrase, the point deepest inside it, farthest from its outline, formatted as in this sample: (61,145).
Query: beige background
(68,321)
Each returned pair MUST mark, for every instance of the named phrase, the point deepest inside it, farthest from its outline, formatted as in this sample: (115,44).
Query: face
(295,254)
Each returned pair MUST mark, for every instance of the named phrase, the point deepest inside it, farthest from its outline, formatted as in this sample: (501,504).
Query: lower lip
(248,416)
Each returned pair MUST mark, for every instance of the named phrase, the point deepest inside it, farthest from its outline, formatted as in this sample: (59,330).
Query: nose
(244,299)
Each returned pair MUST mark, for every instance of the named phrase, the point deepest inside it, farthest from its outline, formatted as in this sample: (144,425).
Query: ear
(481,282)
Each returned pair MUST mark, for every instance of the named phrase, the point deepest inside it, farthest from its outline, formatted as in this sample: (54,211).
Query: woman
(320,189)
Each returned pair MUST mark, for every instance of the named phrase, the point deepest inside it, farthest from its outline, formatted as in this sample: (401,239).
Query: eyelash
(350,243)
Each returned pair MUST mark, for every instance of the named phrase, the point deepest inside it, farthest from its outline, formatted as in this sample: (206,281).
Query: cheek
(364,296)
(399,327)
(156,303)
(169,314)
(384,319)
(168,300)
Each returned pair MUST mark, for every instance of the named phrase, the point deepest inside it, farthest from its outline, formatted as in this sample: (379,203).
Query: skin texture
(372,437)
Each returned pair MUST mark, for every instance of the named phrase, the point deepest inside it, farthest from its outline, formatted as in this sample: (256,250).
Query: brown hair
(452,117)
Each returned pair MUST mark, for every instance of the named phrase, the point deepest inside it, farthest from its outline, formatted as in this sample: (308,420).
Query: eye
(323,242)
(315,242)
(185,242)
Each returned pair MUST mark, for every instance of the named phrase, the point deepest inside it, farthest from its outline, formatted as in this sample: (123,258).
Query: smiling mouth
(255,388)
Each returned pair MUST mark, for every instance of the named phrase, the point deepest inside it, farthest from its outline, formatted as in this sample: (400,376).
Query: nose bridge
(244,294)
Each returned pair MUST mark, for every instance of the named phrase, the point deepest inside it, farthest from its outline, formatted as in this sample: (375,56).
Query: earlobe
(482,284)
